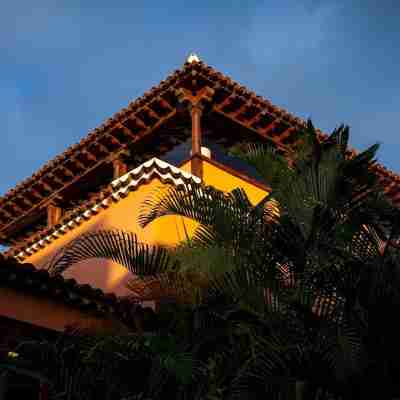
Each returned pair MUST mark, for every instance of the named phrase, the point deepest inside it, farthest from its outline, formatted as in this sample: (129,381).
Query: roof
(38,282)
(119,188)
(142,117)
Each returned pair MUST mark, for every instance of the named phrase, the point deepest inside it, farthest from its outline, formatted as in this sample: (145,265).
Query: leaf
(119,246)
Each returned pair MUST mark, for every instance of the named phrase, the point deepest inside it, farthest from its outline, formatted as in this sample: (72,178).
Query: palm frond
(343,349)
(269,164)
(119,246)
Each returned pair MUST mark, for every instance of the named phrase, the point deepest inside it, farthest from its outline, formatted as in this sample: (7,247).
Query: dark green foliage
(291,298)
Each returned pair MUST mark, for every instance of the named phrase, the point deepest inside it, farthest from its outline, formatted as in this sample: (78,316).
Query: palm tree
(309,266)
(283,297)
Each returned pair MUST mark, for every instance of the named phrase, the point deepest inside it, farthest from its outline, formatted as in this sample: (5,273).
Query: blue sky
(66,65)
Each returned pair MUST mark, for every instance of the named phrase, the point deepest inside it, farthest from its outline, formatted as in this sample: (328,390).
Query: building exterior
(173,135)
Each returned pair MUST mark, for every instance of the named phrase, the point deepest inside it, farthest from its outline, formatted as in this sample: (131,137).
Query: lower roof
(27,279)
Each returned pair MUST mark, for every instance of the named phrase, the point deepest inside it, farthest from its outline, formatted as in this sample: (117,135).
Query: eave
(142,117)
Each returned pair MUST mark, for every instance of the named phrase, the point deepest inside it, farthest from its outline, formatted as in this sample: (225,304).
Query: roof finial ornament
(193,57)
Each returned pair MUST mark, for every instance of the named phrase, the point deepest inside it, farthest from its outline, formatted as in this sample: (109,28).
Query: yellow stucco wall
(169,230)
(223,180)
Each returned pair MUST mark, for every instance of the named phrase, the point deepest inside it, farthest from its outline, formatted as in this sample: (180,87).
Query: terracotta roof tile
(215,79)
(38,282)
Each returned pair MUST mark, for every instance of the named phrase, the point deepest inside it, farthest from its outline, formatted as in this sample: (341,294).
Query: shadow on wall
(111,276)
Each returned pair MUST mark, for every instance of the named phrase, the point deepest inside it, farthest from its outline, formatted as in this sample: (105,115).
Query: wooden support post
(120,168)
(196,101)
(196,161)
(54,214)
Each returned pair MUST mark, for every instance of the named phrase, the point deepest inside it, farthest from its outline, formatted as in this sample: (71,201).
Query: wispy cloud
(288,33)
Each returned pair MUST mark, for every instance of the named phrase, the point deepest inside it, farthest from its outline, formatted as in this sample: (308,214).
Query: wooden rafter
(102,148)
(6,213)
(164,95)
(55,178)
(114,140)
(66,171)
(286,133)
(151,112)
(15,207)
(164,103)
(35,193)
(106,159)
(24,200)
(45,185)
(126,131)
(78,163)
(253,120)
(219,107)
(89,155)
(241,109)
(141,124)
(269,128)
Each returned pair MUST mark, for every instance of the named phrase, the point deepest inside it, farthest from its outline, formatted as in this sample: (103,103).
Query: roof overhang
(143,116)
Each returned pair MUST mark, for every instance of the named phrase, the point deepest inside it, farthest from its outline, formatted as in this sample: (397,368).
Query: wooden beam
(196,103)
(24,200)
(251,121)
(141,124)
(227,101)
(113,139)
(102,148)
(196,163)
(16,207)
(76,177)
(125,130)
(119,167)
(36,193)
(7,214)
(267,129)
(67,172)
(151,112)
(240,110)
(54,214)
(287,132)
(196,112)
(78,163)
(90,156)
(164,103)
(255,130)
(45,185)
(52,176)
